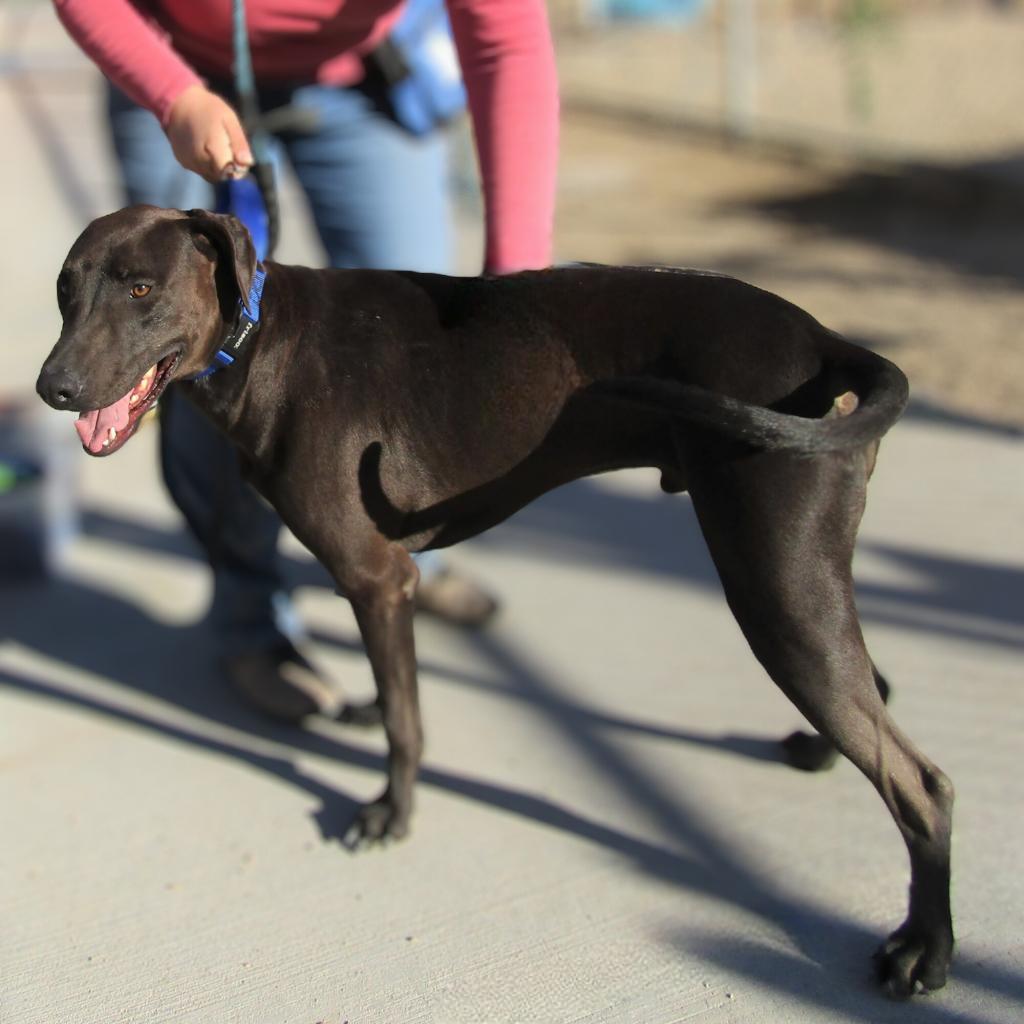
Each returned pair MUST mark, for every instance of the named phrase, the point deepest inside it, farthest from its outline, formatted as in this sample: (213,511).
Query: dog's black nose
(59,388)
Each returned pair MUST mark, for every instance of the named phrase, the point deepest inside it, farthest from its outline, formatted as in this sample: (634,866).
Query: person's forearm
(129,51)
(508,63)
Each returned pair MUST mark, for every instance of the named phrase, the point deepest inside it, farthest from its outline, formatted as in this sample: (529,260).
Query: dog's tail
(878,396)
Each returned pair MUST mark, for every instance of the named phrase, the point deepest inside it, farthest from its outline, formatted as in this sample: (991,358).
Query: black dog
(384,412)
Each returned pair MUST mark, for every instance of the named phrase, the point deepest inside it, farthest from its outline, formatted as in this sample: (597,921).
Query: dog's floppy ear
(232,246)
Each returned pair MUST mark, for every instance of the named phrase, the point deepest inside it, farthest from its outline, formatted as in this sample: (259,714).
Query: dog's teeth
(134,400)
(112,436)
(106,443)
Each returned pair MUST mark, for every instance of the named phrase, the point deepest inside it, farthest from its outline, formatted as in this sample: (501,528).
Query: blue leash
(252,199)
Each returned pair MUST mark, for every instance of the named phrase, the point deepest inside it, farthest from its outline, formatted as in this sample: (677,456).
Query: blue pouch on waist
(421,68)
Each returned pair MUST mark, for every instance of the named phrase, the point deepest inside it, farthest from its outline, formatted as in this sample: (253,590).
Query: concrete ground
(604,832)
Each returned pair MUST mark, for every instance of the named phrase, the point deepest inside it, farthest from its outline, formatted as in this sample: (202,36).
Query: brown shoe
(282,684)
(455,599)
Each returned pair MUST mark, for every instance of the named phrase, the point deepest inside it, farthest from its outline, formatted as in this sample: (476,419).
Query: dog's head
(146,295)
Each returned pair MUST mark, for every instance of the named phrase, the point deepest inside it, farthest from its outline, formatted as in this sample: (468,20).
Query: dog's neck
(223,390)
(245,326)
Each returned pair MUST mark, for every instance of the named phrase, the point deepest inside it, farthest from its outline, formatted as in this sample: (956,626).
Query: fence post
(740,65)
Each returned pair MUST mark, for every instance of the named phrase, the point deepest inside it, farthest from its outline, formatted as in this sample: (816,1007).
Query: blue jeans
(379,199)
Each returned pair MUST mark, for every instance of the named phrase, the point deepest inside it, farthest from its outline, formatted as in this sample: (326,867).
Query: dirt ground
(936,85)
(927,272)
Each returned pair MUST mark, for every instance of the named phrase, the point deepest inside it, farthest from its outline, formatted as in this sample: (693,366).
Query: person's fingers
(217,156)
(241,152)
(207,136)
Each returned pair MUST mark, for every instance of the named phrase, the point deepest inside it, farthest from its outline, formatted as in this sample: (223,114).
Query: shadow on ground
(161,678)
(162,681)
(960,218)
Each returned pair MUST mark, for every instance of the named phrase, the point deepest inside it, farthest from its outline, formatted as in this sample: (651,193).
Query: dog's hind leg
(781,533)
(812,752)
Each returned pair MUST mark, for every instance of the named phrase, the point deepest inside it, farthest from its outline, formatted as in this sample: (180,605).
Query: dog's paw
(809,752)
(910,962)
(363,715)
(376,824)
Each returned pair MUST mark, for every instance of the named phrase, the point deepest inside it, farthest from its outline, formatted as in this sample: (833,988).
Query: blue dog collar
(246,325)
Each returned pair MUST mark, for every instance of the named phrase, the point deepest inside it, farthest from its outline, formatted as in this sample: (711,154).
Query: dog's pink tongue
(94,427)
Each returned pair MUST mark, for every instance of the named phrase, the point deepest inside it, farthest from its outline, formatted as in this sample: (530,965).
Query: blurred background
(863,158)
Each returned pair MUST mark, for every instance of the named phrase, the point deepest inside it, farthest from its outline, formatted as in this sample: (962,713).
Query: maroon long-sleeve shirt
(155,49)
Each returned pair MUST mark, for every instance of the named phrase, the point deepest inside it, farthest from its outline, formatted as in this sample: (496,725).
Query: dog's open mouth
(104,431)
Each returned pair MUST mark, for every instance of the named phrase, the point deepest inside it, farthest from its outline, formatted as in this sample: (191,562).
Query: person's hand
(207,136)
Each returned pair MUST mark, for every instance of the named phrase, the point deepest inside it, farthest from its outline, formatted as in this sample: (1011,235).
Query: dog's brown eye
(140,291)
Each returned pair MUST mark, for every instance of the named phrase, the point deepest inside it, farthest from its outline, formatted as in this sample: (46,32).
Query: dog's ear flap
(225,239)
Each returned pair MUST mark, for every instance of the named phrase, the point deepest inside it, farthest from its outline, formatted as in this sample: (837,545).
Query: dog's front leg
(381,593)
